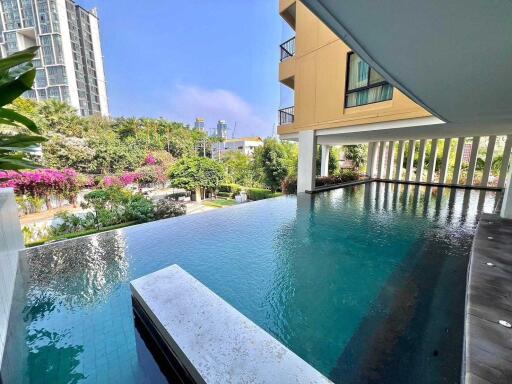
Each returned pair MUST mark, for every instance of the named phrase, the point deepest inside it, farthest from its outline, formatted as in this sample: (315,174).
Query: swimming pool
(366,283)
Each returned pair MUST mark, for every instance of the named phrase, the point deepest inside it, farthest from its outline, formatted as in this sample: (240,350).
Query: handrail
(287,115)
(287,48)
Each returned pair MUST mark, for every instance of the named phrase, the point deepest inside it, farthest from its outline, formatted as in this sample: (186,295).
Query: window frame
(364,88)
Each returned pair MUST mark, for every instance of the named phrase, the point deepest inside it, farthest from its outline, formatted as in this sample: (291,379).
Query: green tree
(272,162)
(357,154)
(292,157)
(59,117)
(196,174)
(17,76)
(239,168)
(69,152)
(112,155)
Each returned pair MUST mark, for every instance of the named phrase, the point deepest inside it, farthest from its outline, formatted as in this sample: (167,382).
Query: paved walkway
(34,218)
(197,207)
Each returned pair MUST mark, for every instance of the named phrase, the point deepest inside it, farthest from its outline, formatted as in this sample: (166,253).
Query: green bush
(289,185)
(231,188)
(166,208)
(260,194)
(115,205)
(228,195)
(139,208)
(344,176)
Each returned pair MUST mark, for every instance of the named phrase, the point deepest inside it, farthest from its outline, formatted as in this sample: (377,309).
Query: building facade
(340,99)
(245,145)
(70,62)
(222,129)
(199,123)
(332,86)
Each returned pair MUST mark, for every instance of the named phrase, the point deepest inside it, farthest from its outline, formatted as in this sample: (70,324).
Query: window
(53,93)
(57,75)
(364,84)
(47,48)
(41,93)
(41,81)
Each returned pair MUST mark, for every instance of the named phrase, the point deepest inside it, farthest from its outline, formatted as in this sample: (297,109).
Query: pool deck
(488,344)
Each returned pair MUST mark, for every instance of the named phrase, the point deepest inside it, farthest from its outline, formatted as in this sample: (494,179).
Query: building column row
(381,160)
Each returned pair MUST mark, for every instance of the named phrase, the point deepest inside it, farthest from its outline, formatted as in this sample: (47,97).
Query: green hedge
(231,188)
(228,195)
(260,193)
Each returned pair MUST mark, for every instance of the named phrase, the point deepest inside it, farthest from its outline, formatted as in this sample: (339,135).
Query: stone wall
(11,241)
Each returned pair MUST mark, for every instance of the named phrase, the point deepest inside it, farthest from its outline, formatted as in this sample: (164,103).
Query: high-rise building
(222,129)
(70,61)
(199,123)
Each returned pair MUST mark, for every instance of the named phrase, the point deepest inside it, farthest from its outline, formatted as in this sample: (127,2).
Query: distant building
(70,62)
(245,145)
(199,123)
(222,129)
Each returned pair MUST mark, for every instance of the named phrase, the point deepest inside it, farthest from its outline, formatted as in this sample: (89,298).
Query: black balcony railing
(288,49)
(286,115)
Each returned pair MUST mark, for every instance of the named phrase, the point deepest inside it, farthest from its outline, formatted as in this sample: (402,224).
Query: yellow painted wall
(319,69)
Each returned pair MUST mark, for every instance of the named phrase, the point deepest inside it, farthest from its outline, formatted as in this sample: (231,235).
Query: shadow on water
(414,331)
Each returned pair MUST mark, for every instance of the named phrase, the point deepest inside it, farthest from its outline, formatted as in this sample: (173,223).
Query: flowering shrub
(150,160)
(151,174)
(111,181)
(128,178)
(43,183)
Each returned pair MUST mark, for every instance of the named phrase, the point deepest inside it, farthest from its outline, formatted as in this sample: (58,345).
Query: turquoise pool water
(365,283)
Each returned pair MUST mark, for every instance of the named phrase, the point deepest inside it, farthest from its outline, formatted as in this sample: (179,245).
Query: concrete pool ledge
(209,339)
(487,343)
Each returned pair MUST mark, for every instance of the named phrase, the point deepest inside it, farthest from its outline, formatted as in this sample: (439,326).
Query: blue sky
(182,59)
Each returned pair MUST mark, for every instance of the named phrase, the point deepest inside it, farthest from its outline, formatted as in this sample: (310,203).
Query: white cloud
(189,102)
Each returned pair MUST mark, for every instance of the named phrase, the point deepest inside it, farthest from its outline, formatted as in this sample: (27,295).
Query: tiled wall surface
(11,241)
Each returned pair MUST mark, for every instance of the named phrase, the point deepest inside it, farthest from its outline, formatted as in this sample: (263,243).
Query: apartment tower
(70,62)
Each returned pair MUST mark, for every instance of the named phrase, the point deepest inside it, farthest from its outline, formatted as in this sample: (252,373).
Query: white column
(506,207)
(307,156)
(458,160)
(505,162)
(432,161)
(488,160)
(472,160)
(421,160)
(391,150)
(380,163)
(399,159)
(369,163)
(373,162)
(446,160)
(410,160)
(324,165)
